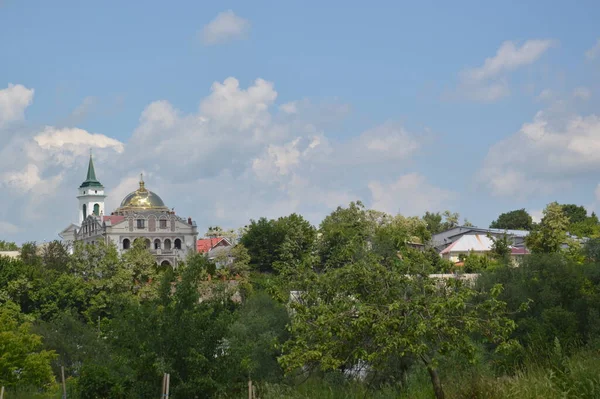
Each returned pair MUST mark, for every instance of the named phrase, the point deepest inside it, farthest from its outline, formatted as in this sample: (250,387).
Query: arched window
(126,243)
(157,244)
(96,209)
(147,243)
(84,211)
(165,263)
(177,243)
(167,244)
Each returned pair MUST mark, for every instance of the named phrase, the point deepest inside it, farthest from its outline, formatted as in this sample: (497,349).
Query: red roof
(206,244)
(114,219)
(519,251)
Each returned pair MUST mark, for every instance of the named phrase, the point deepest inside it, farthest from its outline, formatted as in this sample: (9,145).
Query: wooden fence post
(64,386)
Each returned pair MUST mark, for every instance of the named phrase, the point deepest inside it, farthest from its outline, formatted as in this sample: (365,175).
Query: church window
(84,211)
(147,243)
(96,191)
(126,243)
(157,244)
(167,244)
(96,209)
(177,243)
(163,224)
(141,223)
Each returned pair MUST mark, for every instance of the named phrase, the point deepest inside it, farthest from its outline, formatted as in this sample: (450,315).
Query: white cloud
(225,27)
(593,52)
(13,101)
(489,82)
(410,195)
(508,58)
(74,140)
(30,180)
(238,156)
(545,95)
(582,93)
(543,155)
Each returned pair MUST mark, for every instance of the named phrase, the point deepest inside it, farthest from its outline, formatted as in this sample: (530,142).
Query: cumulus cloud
(13,101)
(489,82)
(543,155)
(224,28)
(410,195)
(238,156)
(594,51)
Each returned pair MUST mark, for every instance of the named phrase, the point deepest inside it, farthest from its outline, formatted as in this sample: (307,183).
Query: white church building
(142,214)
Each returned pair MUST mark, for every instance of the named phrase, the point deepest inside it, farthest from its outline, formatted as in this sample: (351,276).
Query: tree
(272,241)
(434,222)
(518,219)
(501,247)
(575,213)
(450,220)
(365,313)
(551,233)
(344,234)
(255,337)
(8,246)
(23,362)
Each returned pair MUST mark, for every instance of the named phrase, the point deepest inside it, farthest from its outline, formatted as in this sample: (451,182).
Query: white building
(142,214)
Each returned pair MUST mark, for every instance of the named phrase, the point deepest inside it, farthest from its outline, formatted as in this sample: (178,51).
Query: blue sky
(392,103)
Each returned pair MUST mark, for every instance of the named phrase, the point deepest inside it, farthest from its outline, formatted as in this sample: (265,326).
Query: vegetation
(514,220)
(365,318)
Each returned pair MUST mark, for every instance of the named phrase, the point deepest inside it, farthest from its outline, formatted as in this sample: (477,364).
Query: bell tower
(91,195)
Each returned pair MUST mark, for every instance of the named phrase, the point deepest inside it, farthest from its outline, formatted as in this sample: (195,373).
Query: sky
(235,110)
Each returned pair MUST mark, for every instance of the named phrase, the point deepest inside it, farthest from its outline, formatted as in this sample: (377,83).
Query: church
(142,214)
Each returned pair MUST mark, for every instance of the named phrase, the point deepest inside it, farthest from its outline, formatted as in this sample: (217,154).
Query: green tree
(501,247)
(23,362)
(450,220)
(366,313)
(255,336)
(272,241)
(551,233)
(8,246)
(344,234)
(575,213)
(518,219)
(433,221)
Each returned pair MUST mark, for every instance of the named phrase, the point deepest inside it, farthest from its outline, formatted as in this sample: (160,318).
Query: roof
(466,243)
(465,229)
(91,180)
(206,244)
(519,251)
(113,219)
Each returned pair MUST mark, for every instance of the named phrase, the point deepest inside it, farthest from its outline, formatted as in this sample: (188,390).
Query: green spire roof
(91,180)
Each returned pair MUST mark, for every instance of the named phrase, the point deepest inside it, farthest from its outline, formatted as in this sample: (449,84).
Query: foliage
(551,233)
(255,336)
(365,312)
(270,242)
(23,362)
(518,219)
(434,222)
(575,213)
(8,246)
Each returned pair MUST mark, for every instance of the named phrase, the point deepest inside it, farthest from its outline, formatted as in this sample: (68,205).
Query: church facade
(142,214)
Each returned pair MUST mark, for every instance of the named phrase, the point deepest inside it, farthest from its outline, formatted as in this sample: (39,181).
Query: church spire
(91,175)
(91,180)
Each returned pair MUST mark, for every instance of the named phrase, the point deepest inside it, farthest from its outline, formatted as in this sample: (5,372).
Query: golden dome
(142,199)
